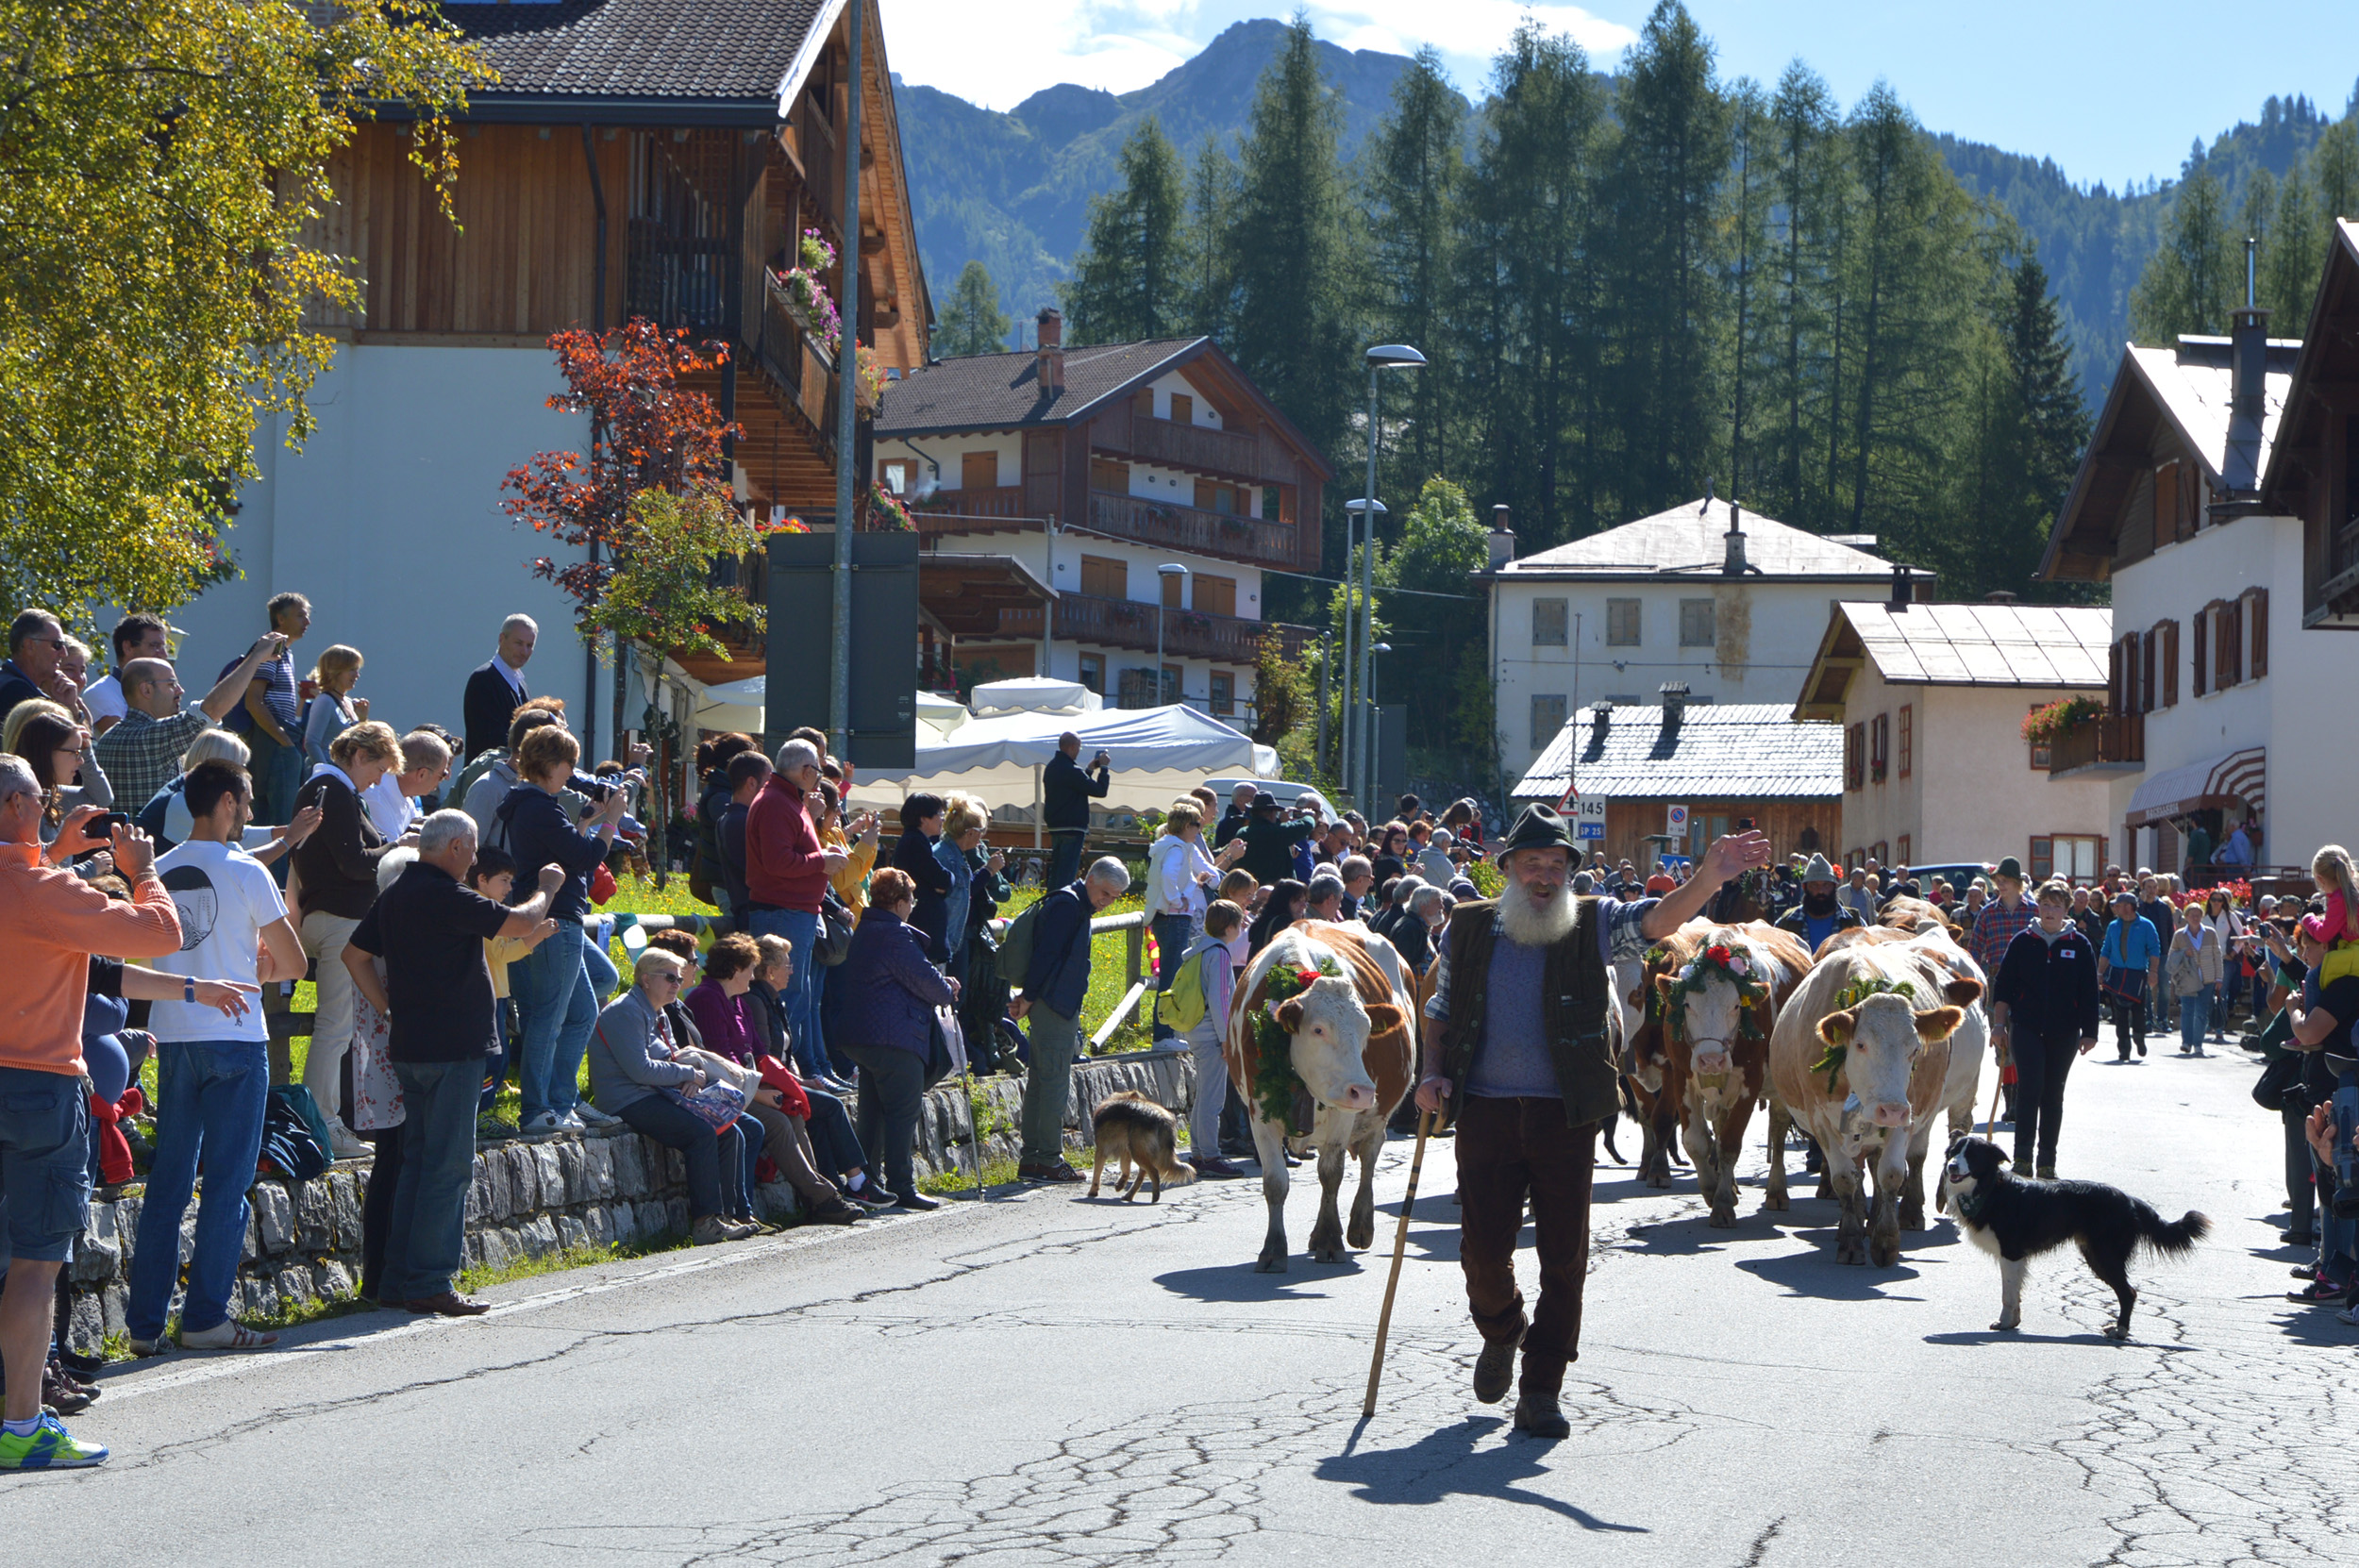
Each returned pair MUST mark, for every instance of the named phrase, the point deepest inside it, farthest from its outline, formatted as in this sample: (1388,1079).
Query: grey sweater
(627,1062)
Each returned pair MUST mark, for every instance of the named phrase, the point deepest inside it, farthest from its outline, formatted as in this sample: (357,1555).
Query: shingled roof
(1690,540)
(1002,392)
(1742,751)
(680,49)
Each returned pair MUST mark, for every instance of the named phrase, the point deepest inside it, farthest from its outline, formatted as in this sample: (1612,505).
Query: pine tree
(1128,279)
(2292,255)
(1810,193)
(1416,164)
(1208,256)
(2187,285)
(2042,423)
(2334,170)
(1751,194)
(1668,165)
(971,322)
(1290,245)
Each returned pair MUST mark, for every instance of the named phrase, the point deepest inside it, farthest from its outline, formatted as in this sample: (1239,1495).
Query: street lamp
(1170,571)
(1381,357)
(1375,718)
(1356,512)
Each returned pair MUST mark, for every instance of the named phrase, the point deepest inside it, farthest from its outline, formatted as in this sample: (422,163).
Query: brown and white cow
(1352,1043)
(1873,1109)
(1714,1044)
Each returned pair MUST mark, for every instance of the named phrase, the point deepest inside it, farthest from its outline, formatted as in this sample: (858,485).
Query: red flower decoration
(1717,955)
(1308,977)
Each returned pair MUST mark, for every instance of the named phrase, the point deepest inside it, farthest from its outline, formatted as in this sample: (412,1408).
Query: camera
(104,824)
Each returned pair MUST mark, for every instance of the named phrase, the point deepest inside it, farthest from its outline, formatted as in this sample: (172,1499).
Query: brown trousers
(787,1142)
(1509,1150)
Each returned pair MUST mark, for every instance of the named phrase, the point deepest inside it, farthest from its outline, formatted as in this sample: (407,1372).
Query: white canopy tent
(1033,694)
(738,705)
(1158,755)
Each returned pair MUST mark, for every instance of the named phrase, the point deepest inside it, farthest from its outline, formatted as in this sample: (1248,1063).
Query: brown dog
(1135,1131)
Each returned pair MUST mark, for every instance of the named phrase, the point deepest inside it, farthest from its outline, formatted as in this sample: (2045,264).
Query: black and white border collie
(2014,1220)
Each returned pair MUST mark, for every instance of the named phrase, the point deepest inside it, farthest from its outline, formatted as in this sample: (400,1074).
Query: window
(1549,621)
(1173,587)
(1855,757)
(1175,683)
(1224,693)
(1182,409)
(2075,856)
(2198,668)
(1880,853)
(1908,746)
(1109,476)
(895,475)
(981,470)
(1106,577)
(1094,673)
(1221,499)
(2167,662)
(1695,623)
(1906,857)
(1548,717)
(2256,601)
(2039,751)
(1216,595)
(1879,749)
(1621,623)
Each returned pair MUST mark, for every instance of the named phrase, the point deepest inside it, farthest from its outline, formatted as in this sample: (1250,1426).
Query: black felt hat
(1539,828)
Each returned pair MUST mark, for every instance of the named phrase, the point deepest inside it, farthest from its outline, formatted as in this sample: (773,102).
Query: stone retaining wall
(531,1197)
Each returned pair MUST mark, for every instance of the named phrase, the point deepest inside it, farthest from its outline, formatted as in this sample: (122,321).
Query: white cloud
(999,53)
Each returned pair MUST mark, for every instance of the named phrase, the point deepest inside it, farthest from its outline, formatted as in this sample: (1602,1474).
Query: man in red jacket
(787,870)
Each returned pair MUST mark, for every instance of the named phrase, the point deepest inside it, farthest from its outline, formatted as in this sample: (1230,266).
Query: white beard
(1531,924)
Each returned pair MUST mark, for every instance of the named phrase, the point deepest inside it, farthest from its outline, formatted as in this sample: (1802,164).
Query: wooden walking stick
(1400,1249)
(1990,1123)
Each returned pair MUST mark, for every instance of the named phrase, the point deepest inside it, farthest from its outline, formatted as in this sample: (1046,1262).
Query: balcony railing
(1131,624)
(991,501)
(802,370)
(2112,743)
(1199,447)
(1248,539)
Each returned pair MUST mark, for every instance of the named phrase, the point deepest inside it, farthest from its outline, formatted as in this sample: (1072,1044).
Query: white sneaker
(229,1334)
(343,1143)
(567,1121)
(593,1117)
(541,1125)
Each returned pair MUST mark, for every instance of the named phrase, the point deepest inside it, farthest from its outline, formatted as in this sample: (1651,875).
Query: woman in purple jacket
(890,994)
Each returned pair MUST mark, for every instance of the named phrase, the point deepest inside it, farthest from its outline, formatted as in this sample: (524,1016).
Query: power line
(1340,582)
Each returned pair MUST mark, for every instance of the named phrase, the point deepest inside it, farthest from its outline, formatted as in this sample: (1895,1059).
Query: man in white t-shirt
(138,635)
(213,1072)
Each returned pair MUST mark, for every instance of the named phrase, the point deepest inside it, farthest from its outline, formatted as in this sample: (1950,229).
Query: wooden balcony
(1131,624)
(2113,742)
(1198,447)
(954,506)
(1204,533)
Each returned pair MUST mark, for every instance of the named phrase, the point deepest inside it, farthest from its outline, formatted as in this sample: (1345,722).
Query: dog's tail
(2171,1237)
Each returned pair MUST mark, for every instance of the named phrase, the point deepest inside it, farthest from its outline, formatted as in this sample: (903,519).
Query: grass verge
(566,1257)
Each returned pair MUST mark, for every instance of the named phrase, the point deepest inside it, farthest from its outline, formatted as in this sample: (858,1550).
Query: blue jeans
(209,1099)
(800,928)
(277,773)
(1064,856)
(1173,933)
(834,1146)
(603,975)
(2338,1238)
(44,1162)
(2195,1016)
(716,1165)
(559,1011)
(426,1241)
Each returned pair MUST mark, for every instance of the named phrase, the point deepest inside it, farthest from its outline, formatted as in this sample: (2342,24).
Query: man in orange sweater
(51,922)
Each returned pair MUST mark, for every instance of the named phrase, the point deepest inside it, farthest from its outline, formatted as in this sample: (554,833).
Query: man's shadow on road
(1446,1463)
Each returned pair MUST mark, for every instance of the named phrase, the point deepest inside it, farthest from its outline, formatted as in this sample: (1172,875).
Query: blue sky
(2110,89)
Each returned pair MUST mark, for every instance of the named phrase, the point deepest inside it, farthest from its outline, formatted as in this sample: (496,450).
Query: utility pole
(847,402)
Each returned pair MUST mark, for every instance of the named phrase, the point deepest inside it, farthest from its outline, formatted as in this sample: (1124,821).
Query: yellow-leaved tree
(162,164)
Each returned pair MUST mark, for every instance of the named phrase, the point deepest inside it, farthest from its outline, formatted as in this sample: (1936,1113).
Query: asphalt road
(1050,1380)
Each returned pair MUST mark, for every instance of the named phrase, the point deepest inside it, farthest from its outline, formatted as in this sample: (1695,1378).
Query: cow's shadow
(1447,1463)
(1304,1279)
(1814,1273)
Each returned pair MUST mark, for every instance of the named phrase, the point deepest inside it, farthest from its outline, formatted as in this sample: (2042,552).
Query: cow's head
(1881,1040)
(1710,1018)
(1328,1026)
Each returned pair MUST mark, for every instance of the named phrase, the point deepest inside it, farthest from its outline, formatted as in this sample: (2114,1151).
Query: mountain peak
(1068,111)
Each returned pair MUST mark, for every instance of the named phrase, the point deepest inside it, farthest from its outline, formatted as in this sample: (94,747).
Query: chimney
(1502,538)
(1050,355)
(1601,719)
(1902,589)
(1732,562)
(1674,694)
(2247,390)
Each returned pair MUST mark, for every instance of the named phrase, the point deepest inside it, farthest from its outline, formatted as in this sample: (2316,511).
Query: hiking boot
(835,1212)
(1495,1369)
(2047,1173)
(1539,1414)
(48,1446)
(62,1393)
(1213,1168)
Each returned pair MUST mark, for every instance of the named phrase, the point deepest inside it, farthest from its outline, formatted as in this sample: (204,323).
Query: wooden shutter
(2117,676)
(1172,590)
(1905,858)
(2231,653)
(1908,747)
(1043,458)
(2169,662)
(1142,402)
(1855,757)
(1182,409)
(1880,756)
(2257,607)
(979,471)
(2198,668)
(2042,857)
(1216,595)
(1106,577)
(2166,503)
(2148,645)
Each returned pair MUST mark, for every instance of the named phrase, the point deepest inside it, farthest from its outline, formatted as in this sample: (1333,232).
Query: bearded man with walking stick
(1517,1053)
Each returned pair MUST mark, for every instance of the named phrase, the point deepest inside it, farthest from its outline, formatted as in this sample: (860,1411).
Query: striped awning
(2220,782)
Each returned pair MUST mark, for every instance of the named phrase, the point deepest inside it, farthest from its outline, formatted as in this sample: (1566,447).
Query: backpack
(1015,945)
(1184,1005)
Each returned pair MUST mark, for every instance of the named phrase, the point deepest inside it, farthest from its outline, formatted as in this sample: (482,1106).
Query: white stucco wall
(388,522)
(1768,633)
(1972,793)
(2294,712)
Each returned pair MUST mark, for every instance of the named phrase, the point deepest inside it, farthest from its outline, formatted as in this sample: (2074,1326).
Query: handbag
(945,1047)
(832,943)
(2282,1072)
(295,1140)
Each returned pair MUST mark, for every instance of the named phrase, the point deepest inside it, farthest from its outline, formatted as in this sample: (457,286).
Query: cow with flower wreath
(1861,1058)
(1712,995)
(1321,1043)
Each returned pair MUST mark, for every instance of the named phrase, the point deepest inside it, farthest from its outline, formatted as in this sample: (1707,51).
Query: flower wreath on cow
(1279,1095)
(1668,1004)
(1830,1061)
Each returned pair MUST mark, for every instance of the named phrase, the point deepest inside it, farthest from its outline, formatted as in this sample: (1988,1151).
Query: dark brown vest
(1573,1009)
